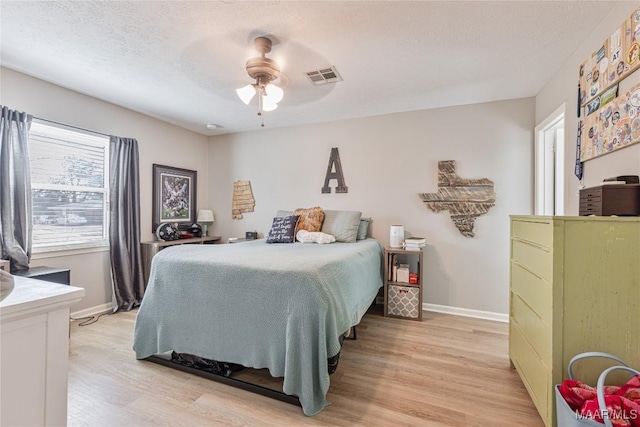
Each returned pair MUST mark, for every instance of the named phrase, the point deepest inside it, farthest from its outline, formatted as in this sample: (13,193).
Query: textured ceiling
(181,61)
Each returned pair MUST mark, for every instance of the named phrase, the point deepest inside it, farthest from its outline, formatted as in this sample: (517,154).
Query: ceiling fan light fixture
(264,70)
(267,105)
(246,93)
(273,93)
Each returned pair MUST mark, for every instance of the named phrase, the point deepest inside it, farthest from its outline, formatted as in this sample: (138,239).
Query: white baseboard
(466,312)
(92,311)
(446,309)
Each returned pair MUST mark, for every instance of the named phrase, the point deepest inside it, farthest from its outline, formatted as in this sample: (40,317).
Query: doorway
(549,164)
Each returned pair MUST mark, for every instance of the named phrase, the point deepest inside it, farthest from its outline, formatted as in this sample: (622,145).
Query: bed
(283,307)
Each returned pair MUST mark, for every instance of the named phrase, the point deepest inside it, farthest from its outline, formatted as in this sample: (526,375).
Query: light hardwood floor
(443,371)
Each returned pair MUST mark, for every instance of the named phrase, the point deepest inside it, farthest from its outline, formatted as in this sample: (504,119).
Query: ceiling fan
(264,70)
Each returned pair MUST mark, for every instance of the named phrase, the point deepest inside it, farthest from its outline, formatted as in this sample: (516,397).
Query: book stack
(414,243)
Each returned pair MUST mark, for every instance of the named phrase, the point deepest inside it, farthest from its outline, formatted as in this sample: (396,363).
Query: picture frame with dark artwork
(174,196)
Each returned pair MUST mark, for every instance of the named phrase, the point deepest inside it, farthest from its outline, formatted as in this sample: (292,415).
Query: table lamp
(205,217)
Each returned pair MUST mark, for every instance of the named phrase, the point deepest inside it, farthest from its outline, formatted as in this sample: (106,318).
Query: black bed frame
(254,388)
(228,380)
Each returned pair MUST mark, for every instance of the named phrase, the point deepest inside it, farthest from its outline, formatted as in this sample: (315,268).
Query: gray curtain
(15,189)
(124,226)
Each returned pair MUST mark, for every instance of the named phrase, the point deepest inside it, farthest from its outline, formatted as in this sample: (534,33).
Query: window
(70,187)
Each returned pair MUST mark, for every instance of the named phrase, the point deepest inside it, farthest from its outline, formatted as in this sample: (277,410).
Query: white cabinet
(34,352)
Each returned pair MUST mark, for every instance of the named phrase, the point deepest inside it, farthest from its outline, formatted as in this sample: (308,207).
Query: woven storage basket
(404,301)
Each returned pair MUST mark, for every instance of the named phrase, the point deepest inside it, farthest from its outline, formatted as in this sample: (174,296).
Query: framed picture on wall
(174,196)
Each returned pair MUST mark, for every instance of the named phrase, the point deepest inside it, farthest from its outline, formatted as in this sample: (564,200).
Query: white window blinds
(69,182)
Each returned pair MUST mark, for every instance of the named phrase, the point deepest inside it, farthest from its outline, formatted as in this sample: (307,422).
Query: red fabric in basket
(623,403)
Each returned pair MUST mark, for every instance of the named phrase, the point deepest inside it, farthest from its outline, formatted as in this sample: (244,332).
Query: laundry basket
(567,417)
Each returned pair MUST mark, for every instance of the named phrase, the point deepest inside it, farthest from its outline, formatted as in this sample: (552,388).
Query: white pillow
(319,237)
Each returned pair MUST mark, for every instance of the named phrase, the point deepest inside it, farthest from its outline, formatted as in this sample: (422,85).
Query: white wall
(563,88)
(158,142)
(387,160)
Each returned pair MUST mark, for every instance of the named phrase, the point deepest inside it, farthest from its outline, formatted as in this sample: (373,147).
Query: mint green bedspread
(276,306)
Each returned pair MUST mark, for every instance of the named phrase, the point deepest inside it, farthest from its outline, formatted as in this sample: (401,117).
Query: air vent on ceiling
(324,76)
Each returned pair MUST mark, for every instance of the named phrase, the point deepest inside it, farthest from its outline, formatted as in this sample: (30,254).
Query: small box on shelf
(403,274)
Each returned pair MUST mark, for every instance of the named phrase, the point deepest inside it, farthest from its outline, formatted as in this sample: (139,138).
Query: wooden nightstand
(401,298)
(149,249)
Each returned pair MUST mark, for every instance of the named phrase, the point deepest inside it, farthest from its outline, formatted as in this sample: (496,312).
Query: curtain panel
(16,225)
(124,227)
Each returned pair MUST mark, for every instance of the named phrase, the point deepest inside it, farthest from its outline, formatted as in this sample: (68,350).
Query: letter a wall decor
(334,161)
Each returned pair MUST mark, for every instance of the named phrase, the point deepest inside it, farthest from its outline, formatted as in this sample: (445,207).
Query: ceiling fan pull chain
(261,93)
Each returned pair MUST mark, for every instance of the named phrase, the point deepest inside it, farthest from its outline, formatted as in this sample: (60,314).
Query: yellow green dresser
(575,287)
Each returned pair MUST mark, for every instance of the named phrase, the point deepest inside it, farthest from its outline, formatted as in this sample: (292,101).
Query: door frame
(541,161)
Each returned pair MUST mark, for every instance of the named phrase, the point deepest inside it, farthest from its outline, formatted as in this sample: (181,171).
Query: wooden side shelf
(402,299)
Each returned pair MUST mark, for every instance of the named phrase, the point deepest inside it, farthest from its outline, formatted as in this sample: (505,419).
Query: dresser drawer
(534,290)
(536,259)
(594,192)
(586,200)
(540,233)
(590,210)
(535,375)
(537,332)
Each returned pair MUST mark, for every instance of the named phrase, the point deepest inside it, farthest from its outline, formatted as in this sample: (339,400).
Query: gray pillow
(280,212)
(343,225)
(363,228)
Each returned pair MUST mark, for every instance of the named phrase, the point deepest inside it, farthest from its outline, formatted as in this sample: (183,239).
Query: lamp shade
(268,106)
(205,216)
(273,93)
(246,93)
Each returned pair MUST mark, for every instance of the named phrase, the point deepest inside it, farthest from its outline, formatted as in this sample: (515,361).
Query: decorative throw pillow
(283,229)
(310,219)
(281,212)
(342,224)
(363,228)
(319,237)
